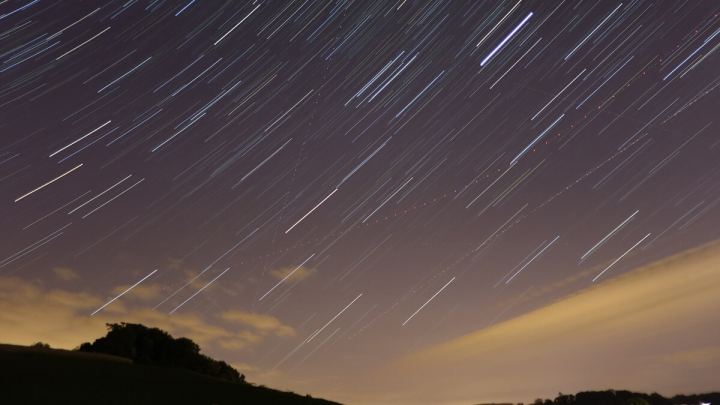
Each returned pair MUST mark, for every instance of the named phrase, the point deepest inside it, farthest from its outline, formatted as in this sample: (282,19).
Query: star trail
(316,153)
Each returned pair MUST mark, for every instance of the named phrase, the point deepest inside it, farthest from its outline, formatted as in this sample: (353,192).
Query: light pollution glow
(654,329)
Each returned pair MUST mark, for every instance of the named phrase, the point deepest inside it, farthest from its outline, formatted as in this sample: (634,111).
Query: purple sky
(319,190)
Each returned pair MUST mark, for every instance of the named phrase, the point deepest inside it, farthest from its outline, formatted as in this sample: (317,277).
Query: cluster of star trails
(358,170)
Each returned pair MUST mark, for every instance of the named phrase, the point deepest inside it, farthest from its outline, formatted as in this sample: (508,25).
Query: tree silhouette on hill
(608,397)
(156,347)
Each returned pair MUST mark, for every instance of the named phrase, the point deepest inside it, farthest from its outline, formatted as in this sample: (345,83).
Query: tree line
(620,397)
(153,346)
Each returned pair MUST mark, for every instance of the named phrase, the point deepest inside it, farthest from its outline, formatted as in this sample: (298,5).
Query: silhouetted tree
(712,398)
(156,347)
(564,399)
(611,397)
(40,345)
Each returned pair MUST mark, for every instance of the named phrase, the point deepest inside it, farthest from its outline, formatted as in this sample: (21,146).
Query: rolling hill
(31,375)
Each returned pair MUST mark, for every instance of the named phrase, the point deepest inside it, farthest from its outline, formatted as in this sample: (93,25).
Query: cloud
(298,275)
(65,273)
(30,313)
(241,341)
(709,354)
(242,367)
(653,329)
(263,323)
(143,292)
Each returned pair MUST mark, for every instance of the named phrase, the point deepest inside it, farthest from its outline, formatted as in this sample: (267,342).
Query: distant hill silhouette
(613,397)
(711,398)
(156,347)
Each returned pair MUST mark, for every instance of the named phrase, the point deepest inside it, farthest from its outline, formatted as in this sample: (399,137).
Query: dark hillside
(47,376)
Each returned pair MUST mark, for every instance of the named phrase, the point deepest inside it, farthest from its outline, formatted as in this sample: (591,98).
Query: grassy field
(48,376)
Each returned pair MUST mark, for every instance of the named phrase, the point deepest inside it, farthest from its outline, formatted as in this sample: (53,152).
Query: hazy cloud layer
(262,323)
(297,275)
(647,331)
(31,313)
(65,273)
(143,292)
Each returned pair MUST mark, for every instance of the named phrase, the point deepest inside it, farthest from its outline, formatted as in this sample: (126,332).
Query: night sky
(313,190)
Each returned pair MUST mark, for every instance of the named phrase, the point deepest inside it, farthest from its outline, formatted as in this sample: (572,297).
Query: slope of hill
(49,376)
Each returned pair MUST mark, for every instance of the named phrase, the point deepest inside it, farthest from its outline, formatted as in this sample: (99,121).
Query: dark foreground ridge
(49,376)
(148,372)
